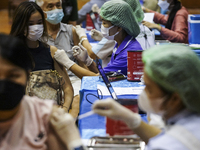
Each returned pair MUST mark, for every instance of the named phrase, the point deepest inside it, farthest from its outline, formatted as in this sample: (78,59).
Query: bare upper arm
(53,49)
(75,37)
(61,69)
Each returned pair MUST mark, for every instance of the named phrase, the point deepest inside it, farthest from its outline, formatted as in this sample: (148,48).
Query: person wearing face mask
(120,24)
(176,24)
(64,37)
(104,48)
(24,120)
(48,79)
(172,91)
(70,10)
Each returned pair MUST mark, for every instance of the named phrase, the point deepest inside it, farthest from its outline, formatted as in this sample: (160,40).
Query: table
(95,125)
(197,51)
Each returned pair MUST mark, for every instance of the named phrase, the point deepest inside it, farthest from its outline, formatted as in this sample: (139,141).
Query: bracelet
(82,40)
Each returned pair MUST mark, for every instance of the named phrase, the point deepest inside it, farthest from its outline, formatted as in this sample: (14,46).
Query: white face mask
(105,32)
(163,4)
(35,32)
(152,106)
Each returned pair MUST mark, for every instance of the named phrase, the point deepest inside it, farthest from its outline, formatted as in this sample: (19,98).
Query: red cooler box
(115,127)
(91,21)
(134,65)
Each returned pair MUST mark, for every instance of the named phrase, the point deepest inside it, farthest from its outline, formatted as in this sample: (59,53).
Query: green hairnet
(137,9)
(175,68)
(120,14)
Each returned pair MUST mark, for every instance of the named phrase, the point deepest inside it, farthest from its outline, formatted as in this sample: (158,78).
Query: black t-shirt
(70,10)
(42,57)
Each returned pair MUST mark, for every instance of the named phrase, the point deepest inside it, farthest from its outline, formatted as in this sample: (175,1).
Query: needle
(85,115)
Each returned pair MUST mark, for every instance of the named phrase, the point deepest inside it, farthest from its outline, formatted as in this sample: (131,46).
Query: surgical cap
(137,9)
(175,68)
(120,14)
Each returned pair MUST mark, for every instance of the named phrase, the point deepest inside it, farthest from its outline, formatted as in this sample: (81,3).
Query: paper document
(148,17)
(120,90)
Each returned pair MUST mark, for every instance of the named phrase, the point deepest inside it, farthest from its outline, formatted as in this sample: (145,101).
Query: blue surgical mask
(163,4)
(54,16)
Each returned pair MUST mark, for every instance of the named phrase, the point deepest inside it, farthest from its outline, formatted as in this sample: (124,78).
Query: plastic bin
(194,29)
(91,21)
(117,127)
(197,52)
(134,65)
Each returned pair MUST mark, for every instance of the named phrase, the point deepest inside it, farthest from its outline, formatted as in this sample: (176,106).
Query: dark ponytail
(172,14)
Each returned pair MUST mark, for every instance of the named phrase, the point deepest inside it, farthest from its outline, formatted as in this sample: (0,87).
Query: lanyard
(115,49)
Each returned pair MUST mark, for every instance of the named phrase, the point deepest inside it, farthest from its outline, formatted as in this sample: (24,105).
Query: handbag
(45,84)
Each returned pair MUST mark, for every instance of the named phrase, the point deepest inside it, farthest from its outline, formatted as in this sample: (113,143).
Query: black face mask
(10,94)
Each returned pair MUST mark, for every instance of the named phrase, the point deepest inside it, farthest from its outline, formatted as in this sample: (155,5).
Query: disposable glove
(96,35)
(63,124)
(112,109)
(80,31)
(62,58)
(146,10)
(81,54)
(95,8)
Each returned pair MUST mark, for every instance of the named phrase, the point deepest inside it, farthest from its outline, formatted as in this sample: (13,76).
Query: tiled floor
(4,22)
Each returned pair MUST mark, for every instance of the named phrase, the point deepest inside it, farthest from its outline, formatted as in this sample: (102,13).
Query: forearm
(87,45)
(93,67)
(68,97)
(81,64)
(80,72)
(68,91)
(146,131)
(159,18)
(174,36)
(158,27)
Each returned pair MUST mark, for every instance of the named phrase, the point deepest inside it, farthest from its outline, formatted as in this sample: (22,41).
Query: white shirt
(186,119)
(146,38)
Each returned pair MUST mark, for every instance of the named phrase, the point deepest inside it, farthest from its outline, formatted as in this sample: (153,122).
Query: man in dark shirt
(70,11)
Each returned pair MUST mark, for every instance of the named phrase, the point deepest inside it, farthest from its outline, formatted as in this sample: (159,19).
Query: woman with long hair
(48,79)
(176,23)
